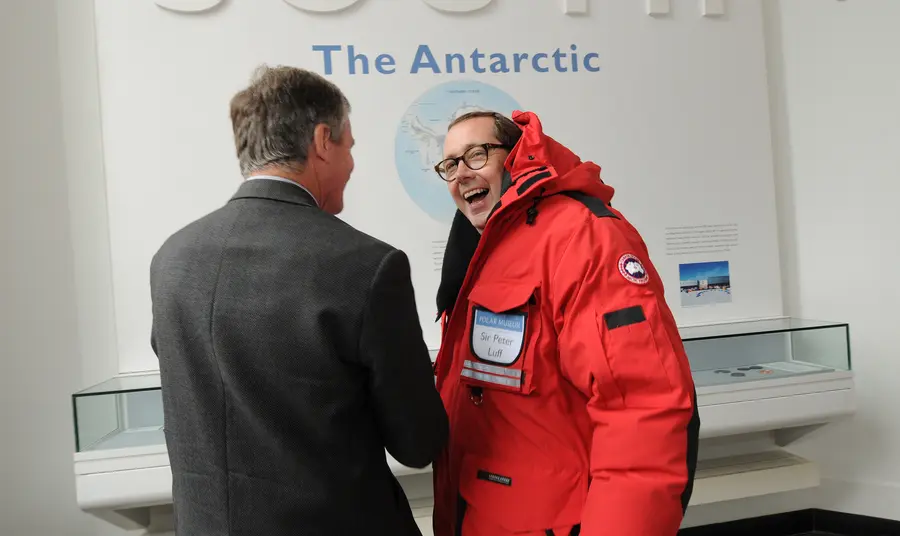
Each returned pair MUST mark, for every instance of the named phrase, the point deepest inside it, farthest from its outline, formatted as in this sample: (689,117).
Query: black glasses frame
(487,149)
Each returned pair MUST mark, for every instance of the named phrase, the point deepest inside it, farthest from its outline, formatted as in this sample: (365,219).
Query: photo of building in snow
(704,283)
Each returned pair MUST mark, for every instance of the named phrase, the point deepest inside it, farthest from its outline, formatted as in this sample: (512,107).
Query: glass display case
(762,350)
(127,411)
(123,412)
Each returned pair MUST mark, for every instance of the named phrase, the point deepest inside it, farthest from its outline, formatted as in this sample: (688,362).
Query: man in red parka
(571,402)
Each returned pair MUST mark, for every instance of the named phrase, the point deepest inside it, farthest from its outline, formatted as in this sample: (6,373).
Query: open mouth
(475,195)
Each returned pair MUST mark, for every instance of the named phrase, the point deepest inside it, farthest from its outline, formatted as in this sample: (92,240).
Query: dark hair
(274,118)
(505,129)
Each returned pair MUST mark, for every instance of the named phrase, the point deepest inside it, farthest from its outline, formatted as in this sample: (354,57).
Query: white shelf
(752,475)
(121,485)
(775,404)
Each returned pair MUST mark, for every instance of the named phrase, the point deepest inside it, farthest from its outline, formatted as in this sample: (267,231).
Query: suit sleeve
(153,343)
(620,347)
(409,410)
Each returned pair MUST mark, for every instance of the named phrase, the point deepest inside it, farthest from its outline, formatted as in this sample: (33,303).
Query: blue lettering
(557,60)
(519,58)
(461,61)
(353,57)
(384,64)
(424,52)
(509,322)
(476,56)
(534,63)
(498,63)
(326,57)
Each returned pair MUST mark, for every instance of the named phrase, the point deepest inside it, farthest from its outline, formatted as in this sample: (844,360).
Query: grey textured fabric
(291,356)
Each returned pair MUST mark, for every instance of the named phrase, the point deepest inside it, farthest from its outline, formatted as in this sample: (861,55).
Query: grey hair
(275,117)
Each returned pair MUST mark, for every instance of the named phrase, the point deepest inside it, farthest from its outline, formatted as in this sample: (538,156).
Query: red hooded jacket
(570,397)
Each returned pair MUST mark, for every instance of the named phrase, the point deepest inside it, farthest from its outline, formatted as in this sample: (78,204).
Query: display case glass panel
(765,350)
(122,412)
(127,411)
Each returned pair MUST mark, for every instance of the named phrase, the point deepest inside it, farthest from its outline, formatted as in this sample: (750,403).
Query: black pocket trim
(624,317)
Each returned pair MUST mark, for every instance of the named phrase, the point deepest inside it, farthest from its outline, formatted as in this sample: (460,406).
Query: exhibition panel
(672,106)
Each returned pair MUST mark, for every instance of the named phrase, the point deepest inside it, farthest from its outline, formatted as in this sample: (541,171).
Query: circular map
(419,144)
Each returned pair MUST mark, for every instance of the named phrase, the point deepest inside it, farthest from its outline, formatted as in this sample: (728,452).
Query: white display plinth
(122,471)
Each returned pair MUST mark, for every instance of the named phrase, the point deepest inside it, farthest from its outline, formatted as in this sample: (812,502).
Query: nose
(463,173)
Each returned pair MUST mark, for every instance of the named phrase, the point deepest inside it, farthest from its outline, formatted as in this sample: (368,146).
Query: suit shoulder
(352,238)
(207,227)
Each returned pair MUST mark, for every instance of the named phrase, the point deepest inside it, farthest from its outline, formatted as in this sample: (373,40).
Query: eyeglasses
(475,158)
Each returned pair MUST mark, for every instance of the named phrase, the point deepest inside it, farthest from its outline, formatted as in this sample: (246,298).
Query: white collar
(282,179)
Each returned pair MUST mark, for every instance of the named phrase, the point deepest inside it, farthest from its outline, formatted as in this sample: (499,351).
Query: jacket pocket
(503,328)
(637,362)
(520,496)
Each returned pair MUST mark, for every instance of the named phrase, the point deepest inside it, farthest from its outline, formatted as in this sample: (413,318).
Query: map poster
(420,139)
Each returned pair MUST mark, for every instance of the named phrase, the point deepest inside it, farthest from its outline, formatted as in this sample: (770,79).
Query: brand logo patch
(495,478)
(632,269)
(497,337)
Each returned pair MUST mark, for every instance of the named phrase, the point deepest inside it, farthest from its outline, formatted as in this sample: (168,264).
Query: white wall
(835,106)
(89,222)
(677,117)
(40,350)
(837,126)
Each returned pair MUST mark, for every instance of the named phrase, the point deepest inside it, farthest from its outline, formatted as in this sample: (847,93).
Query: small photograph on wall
(704,283)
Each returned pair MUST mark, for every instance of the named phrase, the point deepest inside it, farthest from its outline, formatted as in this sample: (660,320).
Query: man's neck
(303,178)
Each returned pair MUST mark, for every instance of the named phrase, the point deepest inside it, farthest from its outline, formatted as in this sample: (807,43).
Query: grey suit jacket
(291,356)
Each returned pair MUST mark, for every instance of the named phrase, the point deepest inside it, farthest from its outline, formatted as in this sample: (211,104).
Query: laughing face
(473,168)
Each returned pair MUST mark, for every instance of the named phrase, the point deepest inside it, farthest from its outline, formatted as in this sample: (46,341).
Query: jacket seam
(215,355)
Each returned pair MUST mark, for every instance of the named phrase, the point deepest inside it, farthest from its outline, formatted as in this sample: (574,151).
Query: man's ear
(322,141)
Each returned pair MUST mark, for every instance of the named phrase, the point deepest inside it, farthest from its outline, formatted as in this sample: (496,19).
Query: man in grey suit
(289,345)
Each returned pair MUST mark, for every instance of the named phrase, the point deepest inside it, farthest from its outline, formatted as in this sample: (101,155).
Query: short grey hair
(274,118)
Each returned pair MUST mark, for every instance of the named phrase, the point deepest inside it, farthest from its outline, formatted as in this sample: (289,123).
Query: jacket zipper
(439,363)
(445,362)
(442,363)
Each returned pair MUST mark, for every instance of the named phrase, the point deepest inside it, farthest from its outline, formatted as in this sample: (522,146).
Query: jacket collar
(540,165)
(275,191)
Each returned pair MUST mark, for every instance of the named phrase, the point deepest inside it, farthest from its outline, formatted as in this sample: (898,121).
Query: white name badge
(498,338)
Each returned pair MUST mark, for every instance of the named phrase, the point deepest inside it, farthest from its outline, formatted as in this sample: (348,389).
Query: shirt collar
(282,179)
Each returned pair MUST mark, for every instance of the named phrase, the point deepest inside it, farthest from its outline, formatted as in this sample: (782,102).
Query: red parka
(570,397)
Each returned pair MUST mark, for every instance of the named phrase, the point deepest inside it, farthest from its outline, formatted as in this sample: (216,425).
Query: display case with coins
(778,378)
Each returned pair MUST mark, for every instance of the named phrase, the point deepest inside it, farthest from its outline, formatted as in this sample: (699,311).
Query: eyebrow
(469,146)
